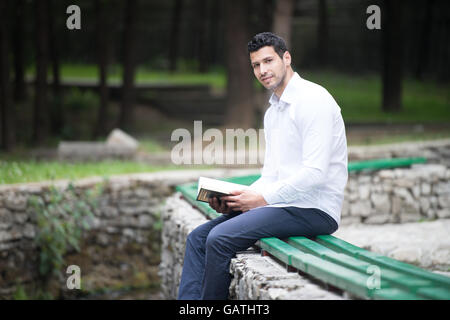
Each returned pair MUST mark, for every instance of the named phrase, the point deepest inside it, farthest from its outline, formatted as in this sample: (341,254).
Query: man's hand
(244,200)
(220,207)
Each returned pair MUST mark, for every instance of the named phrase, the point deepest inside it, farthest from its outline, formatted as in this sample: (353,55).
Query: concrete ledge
(261,278)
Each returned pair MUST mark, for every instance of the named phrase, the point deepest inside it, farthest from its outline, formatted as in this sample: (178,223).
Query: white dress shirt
(305,162)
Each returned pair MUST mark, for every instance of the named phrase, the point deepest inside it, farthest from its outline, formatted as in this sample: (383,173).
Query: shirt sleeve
(316,132)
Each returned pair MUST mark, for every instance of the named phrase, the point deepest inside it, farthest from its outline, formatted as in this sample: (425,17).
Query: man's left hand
(244,200)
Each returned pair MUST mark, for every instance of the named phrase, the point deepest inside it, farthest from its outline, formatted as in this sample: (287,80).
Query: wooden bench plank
(394,277)
(393,294)
(435,293)
(279,249)
(334,274)
(371,257)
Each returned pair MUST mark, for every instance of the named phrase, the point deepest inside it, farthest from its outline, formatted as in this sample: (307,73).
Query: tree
(175,34)
(5,105)
(56,117)
(392,55)
(425,40)
(102,24)
(322,34)
(240,107)
(202,27)
(282,21)
(19,70)
(129,64)
(40,112)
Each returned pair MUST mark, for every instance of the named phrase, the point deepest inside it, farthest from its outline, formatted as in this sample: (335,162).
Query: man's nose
(262,68)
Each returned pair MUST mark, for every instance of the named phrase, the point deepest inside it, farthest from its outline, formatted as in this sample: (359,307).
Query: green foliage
(61,221)
(359,97)
(20,293)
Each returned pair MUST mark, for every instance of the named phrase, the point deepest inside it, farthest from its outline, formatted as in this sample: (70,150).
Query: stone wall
(436,151)
(400,195)
(121,247)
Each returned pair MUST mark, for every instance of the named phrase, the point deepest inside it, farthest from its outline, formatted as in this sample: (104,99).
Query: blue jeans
(211,246)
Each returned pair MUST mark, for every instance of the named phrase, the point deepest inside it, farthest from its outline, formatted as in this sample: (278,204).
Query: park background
(150,67)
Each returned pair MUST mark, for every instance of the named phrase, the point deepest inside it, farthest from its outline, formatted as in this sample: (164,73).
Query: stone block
(443,213)
(378,219)
(381,202)
(14,201)
(361,208)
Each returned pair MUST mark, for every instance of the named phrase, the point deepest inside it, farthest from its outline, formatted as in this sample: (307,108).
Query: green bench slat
(328,272)
(394,277)
(384,163)
(189,192)
(279,249)
(434,293)
(374,258)
(393,294)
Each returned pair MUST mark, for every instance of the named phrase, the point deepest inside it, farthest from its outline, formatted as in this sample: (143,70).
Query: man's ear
(287,58)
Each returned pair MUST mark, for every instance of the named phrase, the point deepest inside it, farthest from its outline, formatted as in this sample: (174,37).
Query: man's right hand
(220,207)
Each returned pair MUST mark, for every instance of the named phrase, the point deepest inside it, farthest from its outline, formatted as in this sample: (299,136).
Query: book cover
(208,188)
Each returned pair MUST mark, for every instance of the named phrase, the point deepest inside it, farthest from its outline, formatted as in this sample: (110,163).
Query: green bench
(340,264)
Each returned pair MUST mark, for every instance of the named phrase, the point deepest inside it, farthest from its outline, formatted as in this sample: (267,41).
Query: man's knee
(214,240)
(196,237)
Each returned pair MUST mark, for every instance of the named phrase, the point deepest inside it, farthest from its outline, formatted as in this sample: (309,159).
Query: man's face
(269,68)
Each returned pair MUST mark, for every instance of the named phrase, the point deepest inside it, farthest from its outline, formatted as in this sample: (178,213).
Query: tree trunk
(56,118)
(19,64)
(322,34)
(425,43)
(103,40)
(129,65)
(40,112)
(175,35)
(240,106)
(5,105)
(282,22)
(202,33)
(392,55)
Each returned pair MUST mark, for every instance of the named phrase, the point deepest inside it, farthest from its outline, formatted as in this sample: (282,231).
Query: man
(300,191)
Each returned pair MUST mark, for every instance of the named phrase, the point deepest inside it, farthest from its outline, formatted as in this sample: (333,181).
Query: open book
(208,188)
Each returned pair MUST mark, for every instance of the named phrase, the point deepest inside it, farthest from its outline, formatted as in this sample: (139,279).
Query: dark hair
(269,39)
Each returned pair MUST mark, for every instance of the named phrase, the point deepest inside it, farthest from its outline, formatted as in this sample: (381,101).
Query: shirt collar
(288,95)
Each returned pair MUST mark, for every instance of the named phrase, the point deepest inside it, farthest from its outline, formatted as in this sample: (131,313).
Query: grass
(360,99)
(90,73)
(149,145)
(20,170)
(358,95)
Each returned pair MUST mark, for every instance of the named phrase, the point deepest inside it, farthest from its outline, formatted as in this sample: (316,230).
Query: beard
(276,84)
